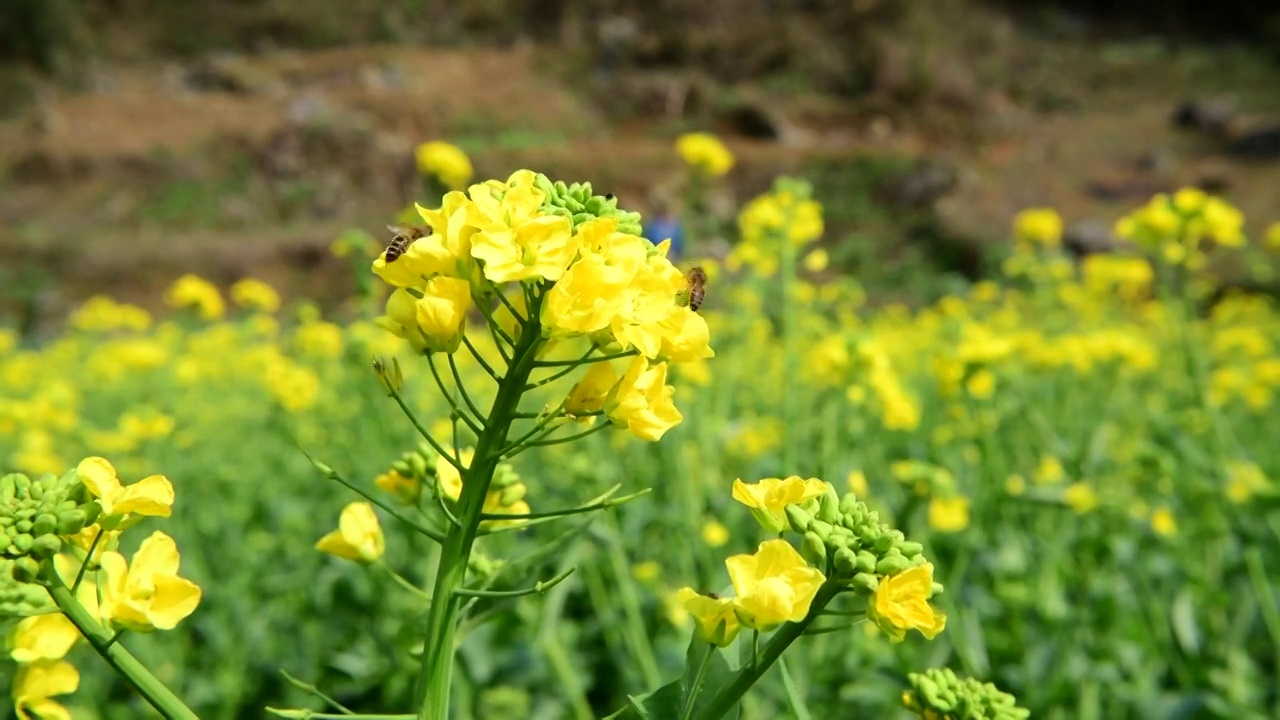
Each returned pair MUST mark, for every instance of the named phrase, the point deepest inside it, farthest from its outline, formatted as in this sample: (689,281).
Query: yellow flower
(446,162)
(43,637)
(1015,484)
(981,385)
(715,617)
(857,481)
(949,514)
(641,401)
(447,476)
(1163,522)
(588,395)
(514,238)
(35,685)
(901,603)
(646,571)
(714,533)
(1244,480)
(255,294)
(152,495)
(648,313)
(1080,497)
(775,585)
(1049,471)
(358,537)
(1038,226)
(691,342)
(319,338)
(101,313)
(705,152)
(424,259)
(148,594)
(405,489)
(190,291)
(1272,236)
(817,261)
(590,294)
(769,498)
(433,322)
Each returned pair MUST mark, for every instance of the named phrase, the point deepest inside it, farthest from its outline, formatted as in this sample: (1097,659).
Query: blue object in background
(663,227)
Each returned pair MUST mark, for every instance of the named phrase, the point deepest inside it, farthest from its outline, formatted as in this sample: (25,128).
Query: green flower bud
(936,589)
(892,564)
(504,476)
(939,692)
(866,562)
(828,509)
(864,583)
(71,522)
(21,544)
(46,546)
(813,549)
(45,524)
(798,518)
(24,526)
(910,548)
(402,468)
(581,217)
(512,494)
(823,529)
(846,561)
(26,569)
(849,504)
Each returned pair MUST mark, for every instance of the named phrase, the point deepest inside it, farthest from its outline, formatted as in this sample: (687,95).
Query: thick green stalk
(124,663)
(751,672)
(442,620)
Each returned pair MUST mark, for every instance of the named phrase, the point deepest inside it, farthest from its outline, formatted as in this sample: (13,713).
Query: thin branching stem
(453,460)
(575,363)
(453,403)
(475,353)
(562,373)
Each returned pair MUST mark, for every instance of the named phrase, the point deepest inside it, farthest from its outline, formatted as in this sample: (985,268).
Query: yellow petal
(151,496)
(99,476)
(43,637)
(158,554)
(335,544)
(175,598)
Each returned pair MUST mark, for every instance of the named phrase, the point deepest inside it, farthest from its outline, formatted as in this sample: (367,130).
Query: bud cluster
(851,543)
(36,514)
(939,693)
(19,597)
(576,202)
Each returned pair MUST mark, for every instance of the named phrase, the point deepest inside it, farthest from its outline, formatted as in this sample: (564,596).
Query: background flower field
(1088,463)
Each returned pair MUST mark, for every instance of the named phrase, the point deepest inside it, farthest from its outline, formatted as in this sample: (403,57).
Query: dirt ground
(240,165)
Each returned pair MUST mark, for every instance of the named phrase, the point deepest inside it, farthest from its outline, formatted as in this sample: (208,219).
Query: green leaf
(1185,627)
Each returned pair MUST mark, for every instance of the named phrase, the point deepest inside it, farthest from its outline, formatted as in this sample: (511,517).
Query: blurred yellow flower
(768,498)
(1244,480)
(1163,522)
(714,533)
(1080,497)
(147,594)
(102,314)
(1015,484)
(773,586)
(1272,236)
(857,481)
(716,617)
(446,162)
(406,489)
(1038,226)
(37,683)
(704,152)
(817,260)
(901,603)
(255,295)
(358,537)
(981,384)
(646,571)
(190,291)
(1049,471)
(949,515)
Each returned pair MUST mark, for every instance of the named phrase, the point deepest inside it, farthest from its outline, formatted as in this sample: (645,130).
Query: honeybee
(404,237)
(697,280)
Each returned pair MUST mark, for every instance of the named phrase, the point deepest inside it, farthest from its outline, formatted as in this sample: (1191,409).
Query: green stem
(750,673)
(698,677)
(103,641)
(437,658)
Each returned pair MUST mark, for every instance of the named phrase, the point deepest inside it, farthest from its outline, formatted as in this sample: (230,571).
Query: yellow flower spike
(715,617)
(948,515)
(43,637)
(588,395)
(358,537)
(641,401)
(147,594)
(775,585)
(705,152)
(769,498)
(255,295)
(444,161)
(901,603)
(714,533)
(36,684)
(153,495)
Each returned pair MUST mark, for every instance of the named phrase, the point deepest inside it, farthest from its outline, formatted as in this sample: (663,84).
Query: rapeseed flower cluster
(705,153)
